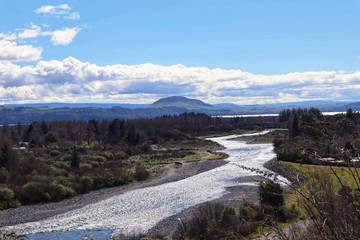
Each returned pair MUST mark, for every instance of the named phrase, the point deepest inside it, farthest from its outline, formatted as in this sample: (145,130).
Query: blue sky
(241,51)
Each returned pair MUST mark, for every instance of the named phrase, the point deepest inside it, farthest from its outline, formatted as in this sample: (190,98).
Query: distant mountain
(181,102)
(354,106)
(227,105)
(26,113)
(79,105)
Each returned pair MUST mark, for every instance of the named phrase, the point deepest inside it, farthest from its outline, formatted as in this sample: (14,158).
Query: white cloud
(8,36)
(73,80)
(62,10)
(73,16)
(11,51)
(33,31)
(63,36)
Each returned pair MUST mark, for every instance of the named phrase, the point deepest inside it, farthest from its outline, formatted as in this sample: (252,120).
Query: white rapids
(139,210)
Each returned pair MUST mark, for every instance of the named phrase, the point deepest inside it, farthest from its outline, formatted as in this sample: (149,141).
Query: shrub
(120,156)
(247,211)
(97,159)
(271,193)
(58,191)
(54,153)
(86,184)
(204,223)
(51,138)
(3,175)
(7,199)
(108,155)
(141,173)
(247,228)
(85,166)
(228,217)
(33,192)
(6,194)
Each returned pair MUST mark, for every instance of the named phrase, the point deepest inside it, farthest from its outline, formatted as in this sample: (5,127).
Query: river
(139,210)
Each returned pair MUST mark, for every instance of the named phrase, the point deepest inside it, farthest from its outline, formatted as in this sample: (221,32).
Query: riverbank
(236,196)
(292,174)
(170,173)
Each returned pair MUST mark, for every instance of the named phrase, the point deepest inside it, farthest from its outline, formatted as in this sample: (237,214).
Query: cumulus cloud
(10,51)
(72,80)
(62,10)
(63,36)
(14,46)
(33,31)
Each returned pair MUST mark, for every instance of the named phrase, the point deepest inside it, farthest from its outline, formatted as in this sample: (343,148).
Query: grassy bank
(344,174)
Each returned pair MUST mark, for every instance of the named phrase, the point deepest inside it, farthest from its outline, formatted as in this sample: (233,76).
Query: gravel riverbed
(171,173)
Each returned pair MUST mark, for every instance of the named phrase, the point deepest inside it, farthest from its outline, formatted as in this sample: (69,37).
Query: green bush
(33,192)
(3,175)
(108,155)
(96,159)
(86,166)
(62,165)
(51,138)
(120,156)
(86,184)
(66,158)
(141,173)
(6,194)
(228,217)
(58,191)
(7,199)
(271,193)
(247,228)
(54,153)
(247,211)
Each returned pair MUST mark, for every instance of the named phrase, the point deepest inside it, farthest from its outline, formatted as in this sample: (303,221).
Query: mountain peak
(181,102)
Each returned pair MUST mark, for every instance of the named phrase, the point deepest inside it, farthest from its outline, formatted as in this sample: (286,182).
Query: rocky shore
(293,175)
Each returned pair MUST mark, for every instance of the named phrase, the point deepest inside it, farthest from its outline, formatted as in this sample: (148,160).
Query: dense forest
(50,161)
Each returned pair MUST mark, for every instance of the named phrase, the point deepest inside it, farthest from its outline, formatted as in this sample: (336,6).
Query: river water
(139,210)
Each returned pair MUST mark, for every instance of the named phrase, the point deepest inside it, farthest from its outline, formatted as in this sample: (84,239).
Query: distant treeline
(131,131)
